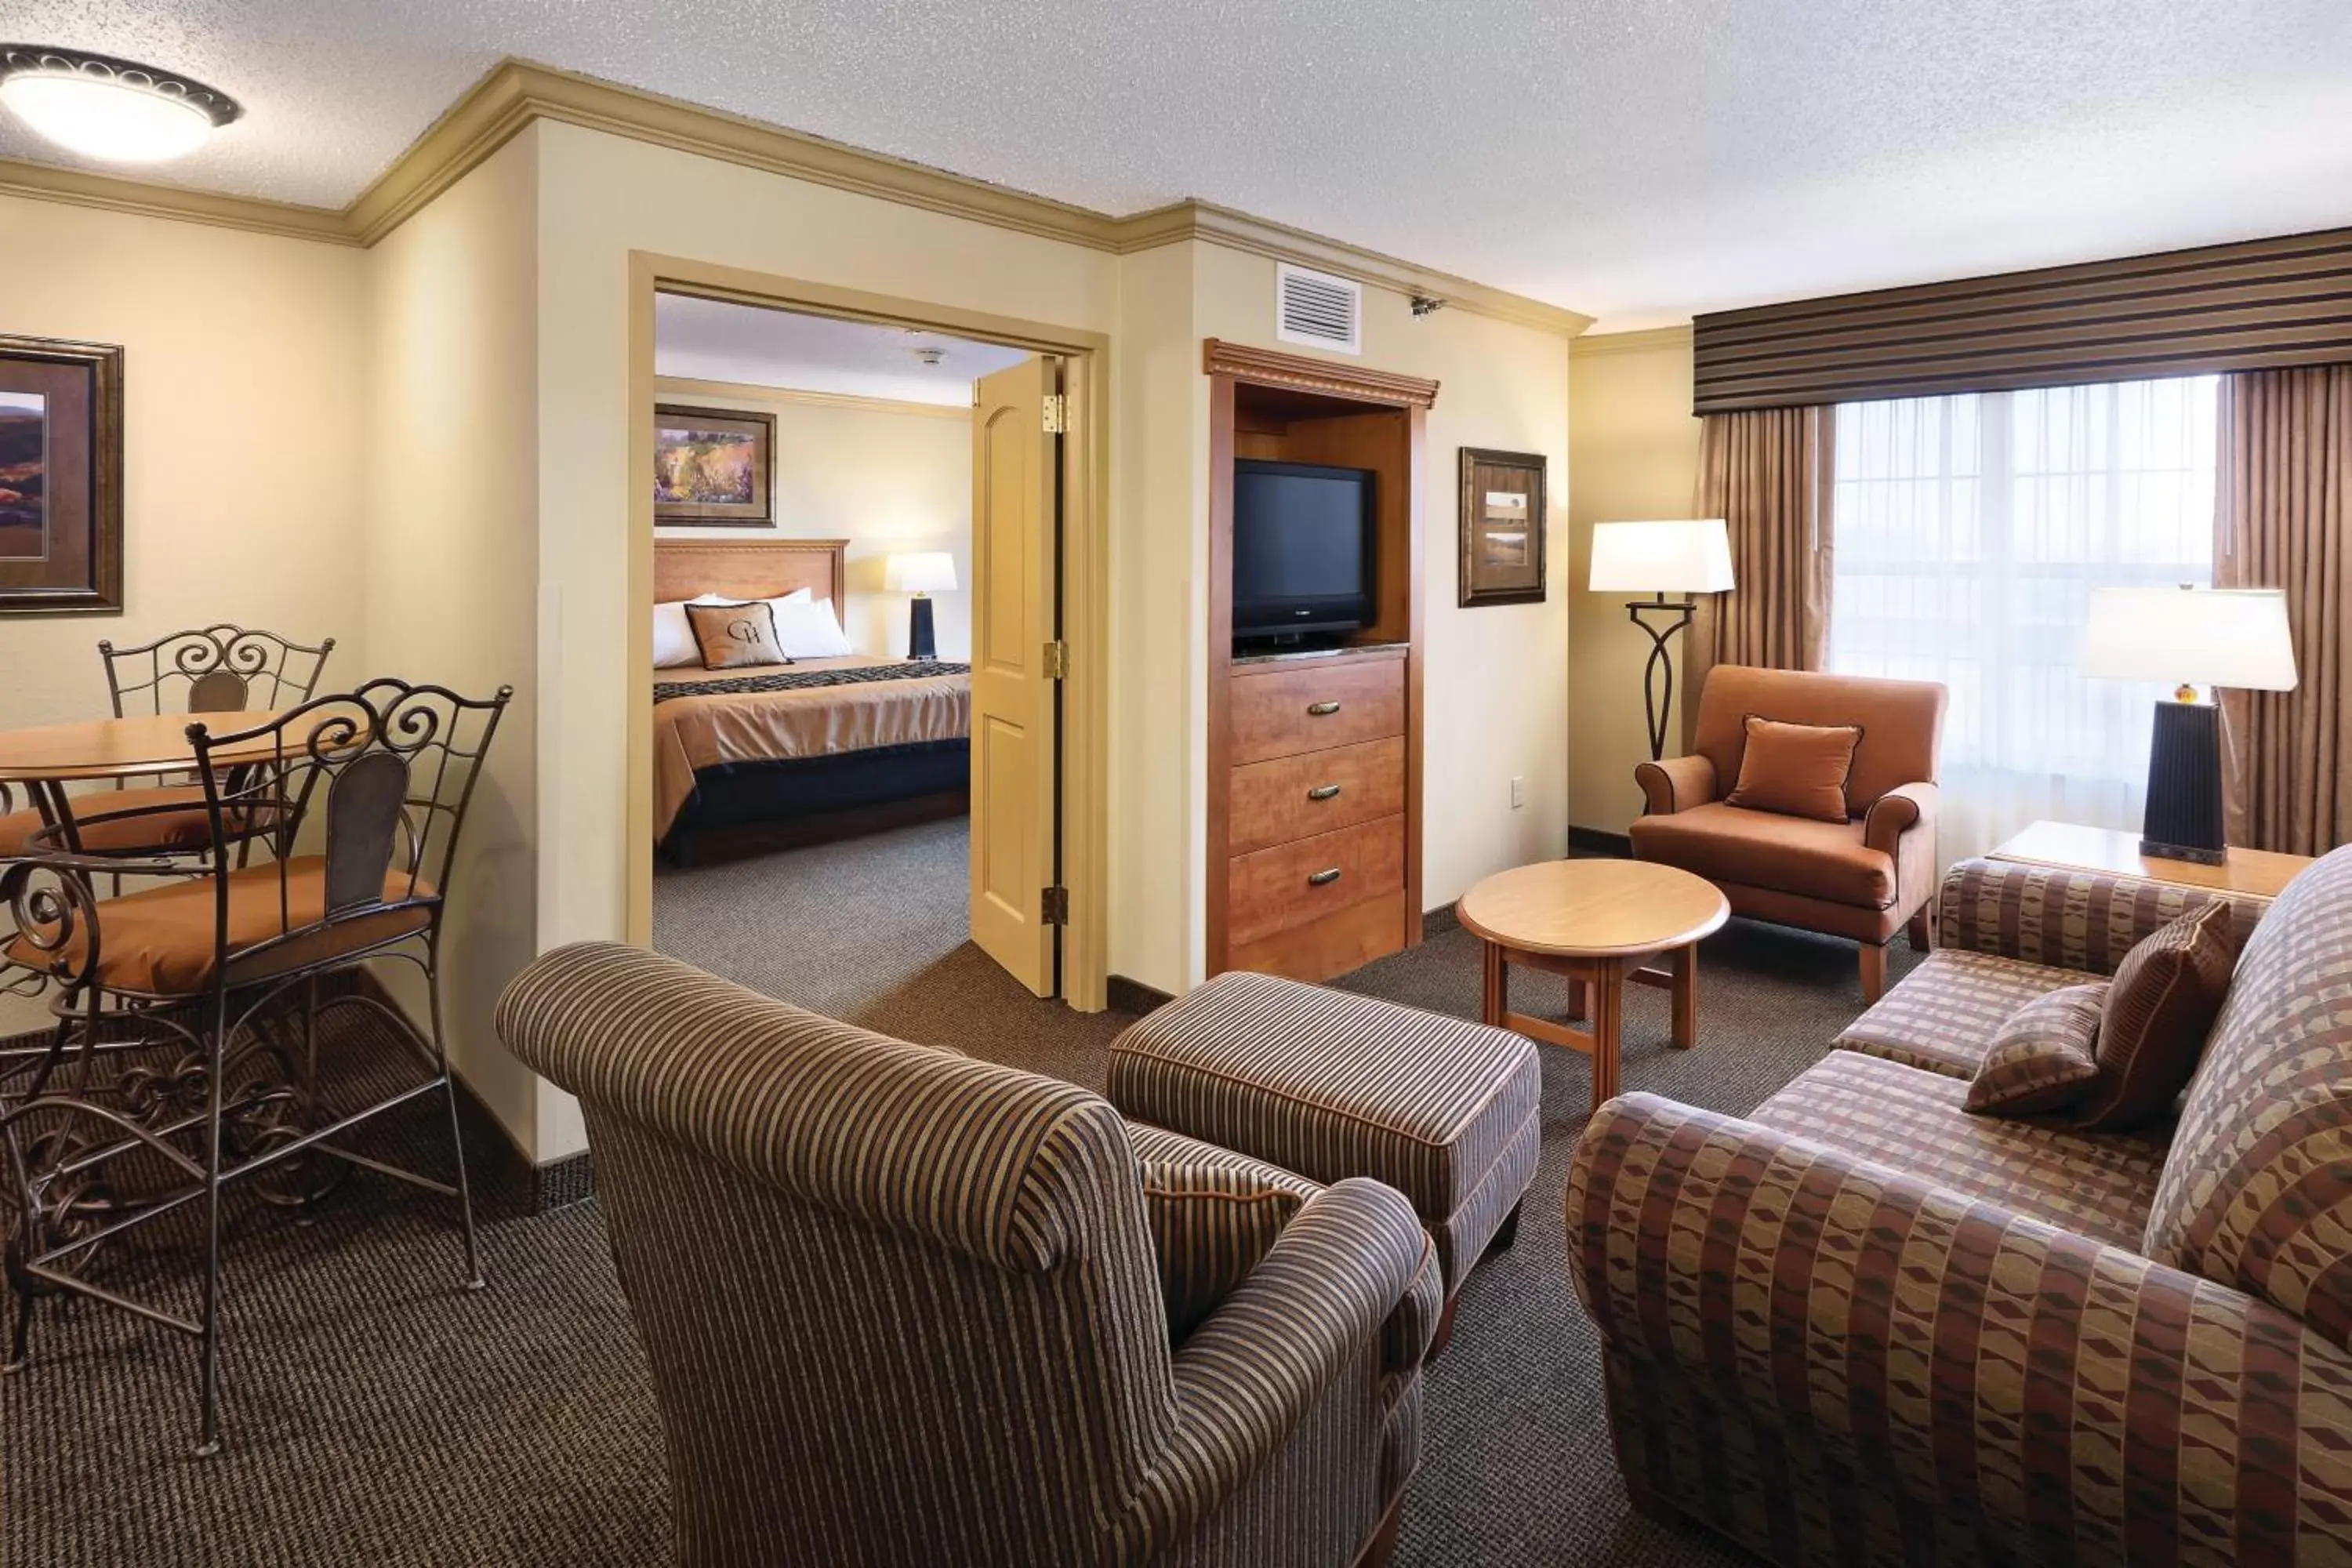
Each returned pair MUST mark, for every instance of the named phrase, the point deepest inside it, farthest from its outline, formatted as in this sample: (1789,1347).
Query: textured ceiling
(709,340)
(1637,159)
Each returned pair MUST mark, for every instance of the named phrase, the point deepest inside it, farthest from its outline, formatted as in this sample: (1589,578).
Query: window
(1967,534)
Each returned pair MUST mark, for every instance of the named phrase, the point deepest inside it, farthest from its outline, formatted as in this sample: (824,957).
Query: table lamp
(2192,636)
(921,572)
(1688,558)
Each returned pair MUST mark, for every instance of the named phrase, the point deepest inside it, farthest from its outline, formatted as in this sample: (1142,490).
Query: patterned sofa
(1860,1325)
(905,1306)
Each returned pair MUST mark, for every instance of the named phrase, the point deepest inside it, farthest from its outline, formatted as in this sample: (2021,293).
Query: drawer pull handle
(1322,710)
(1324,877)
(1324,791)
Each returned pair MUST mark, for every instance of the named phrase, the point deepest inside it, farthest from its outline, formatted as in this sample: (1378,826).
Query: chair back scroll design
(220,669)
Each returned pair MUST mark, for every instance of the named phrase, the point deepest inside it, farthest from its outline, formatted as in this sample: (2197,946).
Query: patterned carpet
(378,1415)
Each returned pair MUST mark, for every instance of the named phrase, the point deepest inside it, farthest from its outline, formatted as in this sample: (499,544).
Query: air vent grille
(1318,310)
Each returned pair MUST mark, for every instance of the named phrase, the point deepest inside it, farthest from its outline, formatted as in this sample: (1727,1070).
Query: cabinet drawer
(1291,884)
(1311,708)
(1316,792)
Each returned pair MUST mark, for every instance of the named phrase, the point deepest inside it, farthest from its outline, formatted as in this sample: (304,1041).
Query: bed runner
(796,679)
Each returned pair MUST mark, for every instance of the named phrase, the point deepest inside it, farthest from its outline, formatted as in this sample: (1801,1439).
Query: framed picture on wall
(713,468)
(1502,528)
(60,477)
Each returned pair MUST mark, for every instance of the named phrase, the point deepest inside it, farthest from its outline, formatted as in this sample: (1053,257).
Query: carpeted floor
(379,1415)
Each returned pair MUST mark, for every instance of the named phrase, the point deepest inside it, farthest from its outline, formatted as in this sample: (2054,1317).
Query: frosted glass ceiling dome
(105,108)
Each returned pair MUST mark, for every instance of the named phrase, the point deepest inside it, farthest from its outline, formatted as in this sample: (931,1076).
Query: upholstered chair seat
(161,942)
(1825,860)
(126,821)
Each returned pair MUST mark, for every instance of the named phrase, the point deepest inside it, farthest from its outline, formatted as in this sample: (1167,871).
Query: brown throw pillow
(1796,770)
(2044,1057)
(735,636)
(1210,1225)
(2160,1006)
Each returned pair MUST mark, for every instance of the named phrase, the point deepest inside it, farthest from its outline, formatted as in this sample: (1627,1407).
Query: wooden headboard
(752,569)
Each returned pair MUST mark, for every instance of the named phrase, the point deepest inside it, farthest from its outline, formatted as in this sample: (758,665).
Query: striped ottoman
(1331,1085)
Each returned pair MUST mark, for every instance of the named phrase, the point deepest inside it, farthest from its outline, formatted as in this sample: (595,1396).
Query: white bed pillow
(674,644)
(807,628)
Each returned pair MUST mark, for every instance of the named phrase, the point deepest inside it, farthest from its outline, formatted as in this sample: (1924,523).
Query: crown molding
(1650,341)
(517,92)
(46,182)
(1273,367)
(752,392)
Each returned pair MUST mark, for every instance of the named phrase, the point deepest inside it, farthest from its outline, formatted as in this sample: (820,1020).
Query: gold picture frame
(1504,528)
(713,468)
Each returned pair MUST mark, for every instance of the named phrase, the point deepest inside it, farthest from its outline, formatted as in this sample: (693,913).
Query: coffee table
(1598,923)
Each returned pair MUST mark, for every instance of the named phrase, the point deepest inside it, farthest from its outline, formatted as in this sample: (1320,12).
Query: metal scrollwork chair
(211,669)
(186,1052)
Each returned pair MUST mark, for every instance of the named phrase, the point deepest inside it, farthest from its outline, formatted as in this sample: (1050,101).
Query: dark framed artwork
(713,468)
(60,477)
(1502,528)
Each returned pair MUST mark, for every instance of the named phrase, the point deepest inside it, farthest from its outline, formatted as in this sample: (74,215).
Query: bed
(766,758)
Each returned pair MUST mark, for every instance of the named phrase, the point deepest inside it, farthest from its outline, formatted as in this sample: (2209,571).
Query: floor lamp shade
(921,573)
(1684,556)
(2187,637)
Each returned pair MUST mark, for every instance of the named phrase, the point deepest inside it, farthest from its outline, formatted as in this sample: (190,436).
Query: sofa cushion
(1213,1216)
(2166,994)
(2044,1058)
(1944,1015)
(1796,770)
(2099,1186)
(1722,842)
(2258,1192)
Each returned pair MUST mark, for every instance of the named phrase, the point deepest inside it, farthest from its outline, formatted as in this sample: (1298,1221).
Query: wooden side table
(2251,873)
(1597,922)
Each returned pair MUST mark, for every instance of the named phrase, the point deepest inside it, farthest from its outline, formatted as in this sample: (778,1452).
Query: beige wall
(1495,678)
(1634,446)
(885,476)
(243,383)
(450,579)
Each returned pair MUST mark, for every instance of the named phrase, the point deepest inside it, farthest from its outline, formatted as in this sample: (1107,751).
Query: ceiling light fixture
(105,108)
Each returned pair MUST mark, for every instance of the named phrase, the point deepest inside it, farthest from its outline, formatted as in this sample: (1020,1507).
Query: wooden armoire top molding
(1271,367)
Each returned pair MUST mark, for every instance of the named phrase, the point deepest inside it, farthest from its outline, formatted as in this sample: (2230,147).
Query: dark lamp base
(2184,785)
(2155,851)
(920,641)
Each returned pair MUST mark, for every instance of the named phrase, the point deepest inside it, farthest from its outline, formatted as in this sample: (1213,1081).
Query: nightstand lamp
(2192,636)
(921,572)
(1686,558)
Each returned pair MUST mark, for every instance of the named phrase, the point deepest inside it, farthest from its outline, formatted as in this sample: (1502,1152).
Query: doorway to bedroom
(856,701)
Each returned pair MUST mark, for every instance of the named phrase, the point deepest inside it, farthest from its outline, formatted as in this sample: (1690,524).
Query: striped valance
(2249,306)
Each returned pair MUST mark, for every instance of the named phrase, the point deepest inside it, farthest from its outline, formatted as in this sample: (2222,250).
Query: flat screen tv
(1303,549)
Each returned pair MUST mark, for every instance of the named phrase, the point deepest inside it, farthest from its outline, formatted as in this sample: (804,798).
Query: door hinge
(1053,905)
(1057,414)
(1057,660)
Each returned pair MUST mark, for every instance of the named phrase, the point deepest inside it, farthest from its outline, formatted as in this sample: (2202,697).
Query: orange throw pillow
(1796,770)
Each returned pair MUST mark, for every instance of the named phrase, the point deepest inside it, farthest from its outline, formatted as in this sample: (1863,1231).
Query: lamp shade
(919,572)
(1681,557)
(2196,636)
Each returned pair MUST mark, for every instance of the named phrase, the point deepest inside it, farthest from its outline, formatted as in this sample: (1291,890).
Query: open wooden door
(1017,905)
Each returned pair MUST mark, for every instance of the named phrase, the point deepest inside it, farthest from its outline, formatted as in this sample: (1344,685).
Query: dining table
(45,758)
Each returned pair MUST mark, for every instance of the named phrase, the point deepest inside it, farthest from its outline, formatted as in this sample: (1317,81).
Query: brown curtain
(1767,472)
(2284,506)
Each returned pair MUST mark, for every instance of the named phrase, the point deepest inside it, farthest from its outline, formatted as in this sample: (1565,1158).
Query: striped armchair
(1861,1326)
(904,1306)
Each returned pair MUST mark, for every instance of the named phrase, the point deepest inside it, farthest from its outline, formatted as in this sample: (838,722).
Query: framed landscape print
(712,468)
(60,477)
(1502,528)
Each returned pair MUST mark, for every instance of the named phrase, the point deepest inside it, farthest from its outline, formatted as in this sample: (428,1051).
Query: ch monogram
(743,631)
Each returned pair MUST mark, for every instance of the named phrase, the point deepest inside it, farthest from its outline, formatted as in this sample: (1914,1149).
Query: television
(1303,550)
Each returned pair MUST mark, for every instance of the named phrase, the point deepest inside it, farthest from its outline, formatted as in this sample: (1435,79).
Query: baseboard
(1133,996)
(1595,841)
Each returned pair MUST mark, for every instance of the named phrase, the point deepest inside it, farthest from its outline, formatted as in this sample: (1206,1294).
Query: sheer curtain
(1971,531)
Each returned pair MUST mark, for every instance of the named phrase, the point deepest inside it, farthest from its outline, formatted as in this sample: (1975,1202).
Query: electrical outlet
(1518,794)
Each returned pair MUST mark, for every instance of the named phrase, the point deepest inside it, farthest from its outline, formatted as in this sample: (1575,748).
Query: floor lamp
(1684,558)
(2194,637)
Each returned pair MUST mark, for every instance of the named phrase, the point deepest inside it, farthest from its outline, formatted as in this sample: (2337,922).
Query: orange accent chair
(1864,878)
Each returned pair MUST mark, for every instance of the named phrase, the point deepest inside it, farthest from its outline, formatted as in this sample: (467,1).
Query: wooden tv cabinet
(1314,775)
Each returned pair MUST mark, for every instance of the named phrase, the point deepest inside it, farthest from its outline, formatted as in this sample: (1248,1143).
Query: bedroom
(813,754)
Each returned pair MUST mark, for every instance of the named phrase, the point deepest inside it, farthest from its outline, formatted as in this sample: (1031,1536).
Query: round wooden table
(146,745)
(1598,923)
